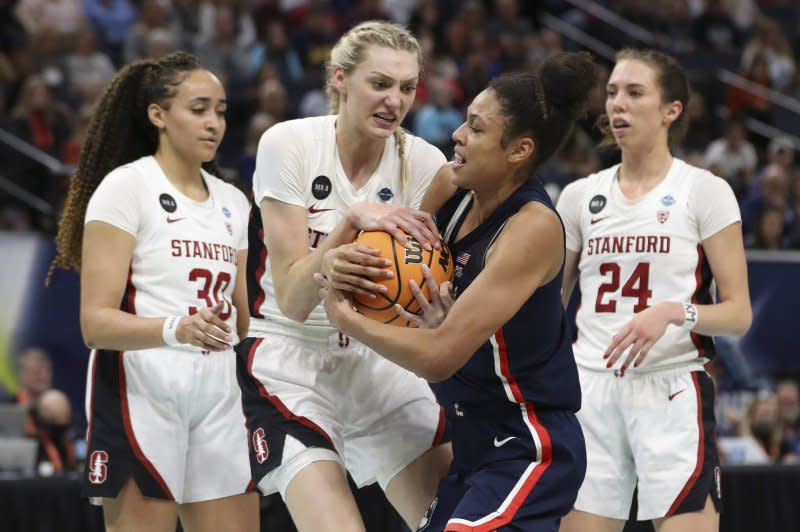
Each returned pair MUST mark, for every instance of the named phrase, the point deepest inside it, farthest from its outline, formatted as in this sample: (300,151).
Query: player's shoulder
(225,189)
(698,177)
(581,185)
(299,129)
(133,175)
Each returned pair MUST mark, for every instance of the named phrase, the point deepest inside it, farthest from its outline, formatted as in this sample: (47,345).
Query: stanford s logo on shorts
(98,471)
(260,445)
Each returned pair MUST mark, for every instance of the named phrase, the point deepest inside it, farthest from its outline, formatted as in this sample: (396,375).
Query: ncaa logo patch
(98,470)
(167,202)
(597,204)
(667,201)
(226,212)
(385,194)
(260,445)
(321,187)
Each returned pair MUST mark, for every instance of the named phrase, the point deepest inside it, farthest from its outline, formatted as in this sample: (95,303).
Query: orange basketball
(406,264)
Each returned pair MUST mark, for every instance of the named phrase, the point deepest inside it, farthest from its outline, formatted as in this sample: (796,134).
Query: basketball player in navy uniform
(500,360)
(161,245)
(649,239)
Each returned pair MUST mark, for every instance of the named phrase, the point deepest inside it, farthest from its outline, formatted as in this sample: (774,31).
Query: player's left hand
(639,335)
(336,304)
(434,311)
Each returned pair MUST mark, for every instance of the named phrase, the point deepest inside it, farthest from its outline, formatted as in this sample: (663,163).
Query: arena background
(763,498)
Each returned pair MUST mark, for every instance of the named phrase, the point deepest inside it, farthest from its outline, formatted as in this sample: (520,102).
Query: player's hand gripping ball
(407,264)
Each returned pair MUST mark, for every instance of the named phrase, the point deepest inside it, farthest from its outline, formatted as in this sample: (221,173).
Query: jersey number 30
(211,291)
(637,286)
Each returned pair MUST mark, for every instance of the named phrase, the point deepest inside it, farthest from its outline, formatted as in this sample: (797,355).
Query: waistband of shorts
(315,334)
(660,371)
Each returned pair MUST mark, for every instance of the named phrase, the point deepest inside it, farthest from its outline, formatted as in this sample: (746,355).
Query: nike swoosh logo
(672,395)
(314,210)
(500,443)
(594,221)
(173,220)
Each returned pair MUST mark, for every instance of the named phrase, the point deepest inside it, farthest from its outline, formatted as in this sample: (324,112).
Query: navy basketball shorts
(515,468)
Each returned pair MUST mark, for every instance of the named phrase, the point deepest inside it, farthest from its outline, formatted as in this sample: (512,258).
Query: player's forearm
(421,351)
(118,330)
(298,294)
(727,318)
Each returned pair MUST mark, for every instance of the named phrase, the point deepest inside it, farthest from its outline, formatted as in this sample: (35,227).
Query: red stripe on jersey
(701,451)
(545,458)
(702,295)
(288,414)
(126,422)
(130,294)
(437,438)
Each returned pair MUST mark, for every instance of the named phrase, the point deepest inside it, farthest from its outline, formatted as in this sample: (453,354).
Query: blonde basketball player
(649,240)
(163,301)
(318,403)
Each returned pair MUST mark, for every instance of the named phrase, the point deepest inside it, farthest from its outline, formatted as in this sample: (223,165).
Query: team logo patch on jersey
(167,202)
(597,204)
(668,201)
(663,215)
(321,187)
(227,212)
(260,445)
(98,470)
(385,194)
(229,227)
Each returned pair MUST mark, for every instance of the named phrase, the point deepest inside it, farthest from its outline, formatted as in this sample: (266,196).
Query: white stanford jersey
(298,164)
(634,254)
(185,253)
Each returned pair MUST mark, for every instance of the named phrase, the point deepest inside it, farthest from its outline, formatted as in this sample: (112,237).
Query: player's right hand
(394,219)
(349,267)
(205,329)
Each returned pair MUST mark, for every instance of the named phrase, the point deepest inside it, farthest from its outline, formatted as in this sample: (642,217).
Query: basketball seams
(399,291)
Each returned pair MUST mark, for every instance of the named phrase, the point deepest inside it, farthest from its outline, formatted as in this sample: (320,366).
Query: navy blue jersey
(529,359)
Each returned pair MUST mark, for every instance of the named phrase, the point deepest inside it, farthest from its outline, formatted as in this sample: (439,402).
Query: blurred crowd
(57,55)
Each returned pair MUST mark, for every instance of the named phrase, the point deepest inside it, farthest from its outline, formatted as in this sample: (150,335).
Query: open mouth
(458,161)
(386,119)
(619,124)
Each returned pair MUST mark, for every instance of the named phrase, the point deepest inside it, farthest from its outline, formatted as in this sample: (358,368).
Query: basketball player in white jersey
(317,402)
(649,240)
(163,301)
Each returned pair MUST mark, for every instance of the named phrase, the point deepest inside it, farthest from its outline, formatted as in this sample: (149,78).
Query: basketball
(407,264)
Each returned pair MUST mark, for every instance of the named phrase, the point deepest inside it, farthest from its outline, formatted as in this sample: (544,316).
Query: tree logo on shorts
(260,445)
(98,471)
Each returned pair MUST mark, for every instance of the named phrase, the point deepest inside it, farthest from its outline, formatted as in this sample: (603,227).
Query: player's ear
(521,149)
(156,115)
